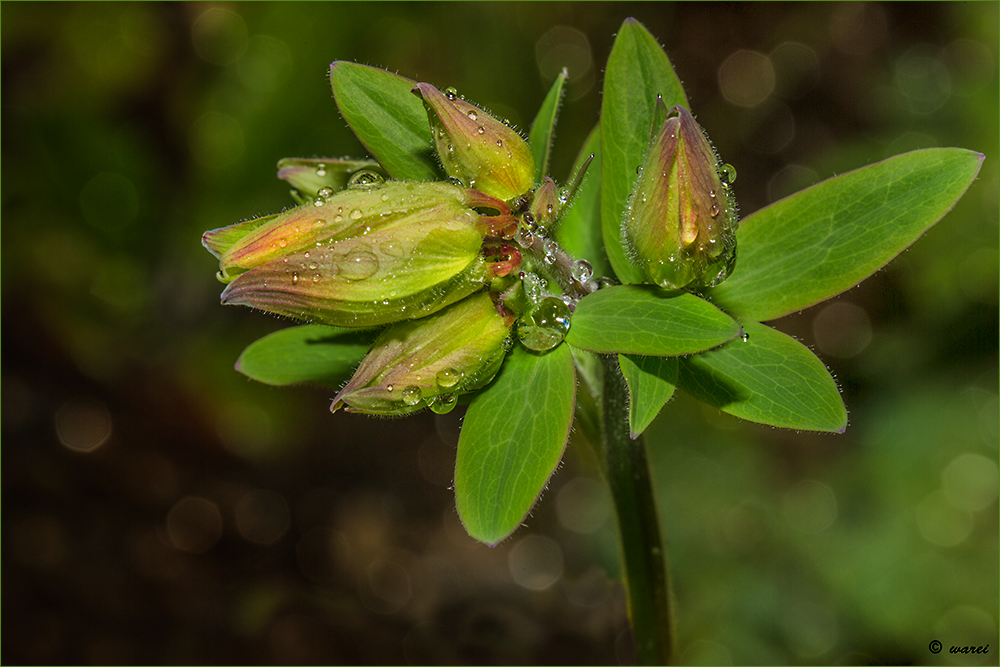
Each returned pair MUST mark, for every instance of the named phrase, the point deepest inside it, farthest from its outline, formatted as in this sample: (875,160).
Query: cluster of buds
(441,263)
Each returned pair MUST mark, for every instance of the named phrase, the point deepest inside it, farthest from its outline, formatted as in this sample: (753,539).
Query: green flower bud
(545,204)
(431,361)
(476,148)
(680,224)
(364,256)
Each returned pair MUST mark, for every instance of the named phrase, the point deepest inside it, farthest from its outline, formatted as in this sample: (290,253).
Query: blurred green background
(160,508)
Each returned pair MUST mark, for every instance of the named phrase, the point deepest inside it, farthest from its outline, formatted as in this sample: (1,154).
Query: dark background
(158,507)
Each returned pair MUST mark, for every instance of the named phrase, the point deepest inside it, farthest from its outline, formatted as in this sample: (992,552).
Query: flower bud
(476,148)
(364,256)
(680,224)
(431,361)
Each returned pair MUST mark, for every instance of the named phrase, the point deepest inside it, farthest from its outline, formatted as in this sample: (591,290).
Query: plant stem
(644,562)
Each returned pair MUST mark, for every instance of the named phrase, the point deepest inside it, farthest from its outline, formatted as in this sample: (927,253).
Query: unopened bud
(362,257)
(476,148)
(431,361)
(680,224)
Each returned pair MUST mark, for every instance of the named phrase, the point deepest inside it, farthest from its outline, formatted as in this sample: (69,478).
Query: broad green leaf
(511,441)
(389,120)
(769,378)
(638,70)
(651,382)
(542,130)
(827,238)
(643,319)
(579,231)
(308,353)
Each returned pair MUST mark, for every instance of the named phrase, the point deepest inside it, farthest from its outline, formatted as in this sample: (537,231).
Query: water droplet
(715,210)
(356,214)
(385,197)
(500,143)
(313,265)
(316,278)
(524,237)
(320,222)
(529,221)
(295,277)
(532,285)
(481,130)
(544,327)
(444,404)
(745,337)
(582,270)
(358,264)
(325,192)
(365,179)
(388,388)
(338,218)
(454,180)
(472,114)
(727,174)
(283,243)
(321,169)
(448,377)
(450,93)
(319,201)
(411,395)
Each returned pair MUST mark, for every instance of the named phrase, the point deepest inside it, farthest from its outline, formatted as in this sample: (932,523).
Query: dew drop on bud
(472,115)
(444,404)
(325,192)
(410,395)
(727,174)
(295,277)
(715,210)
(450,93)
(546,326)
(448,377)
(356,214)
(364,179)
(582,271)
(359,264)
(321,169)
(524,237)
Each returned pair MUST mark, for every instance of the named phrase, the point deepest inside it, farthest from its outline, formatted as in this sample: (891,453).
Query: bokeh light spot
(922,79)
(942,523)
(969,482)
(219,36)
(810,506)
(194,524)
(746,78)
(842,329)
(583,505)
(262,517)
(535,562)
(83,424)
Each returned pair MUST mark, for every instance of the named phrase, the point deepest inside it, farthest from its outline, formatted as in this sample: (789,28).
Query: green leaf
(827,238)
(308,353)
(511,441)
(540,137)
(638,70)
(643,319)
(389,120)
(579,231)
(769,378)
(651,382)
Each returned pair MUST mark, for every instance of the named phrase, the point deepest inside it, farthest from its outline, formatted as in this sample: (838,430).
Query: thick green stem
(643,557)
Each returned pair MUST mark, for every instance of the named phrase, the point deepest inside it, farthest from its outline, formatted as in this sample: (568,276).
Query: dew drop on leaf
(546,326)
(364,179)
